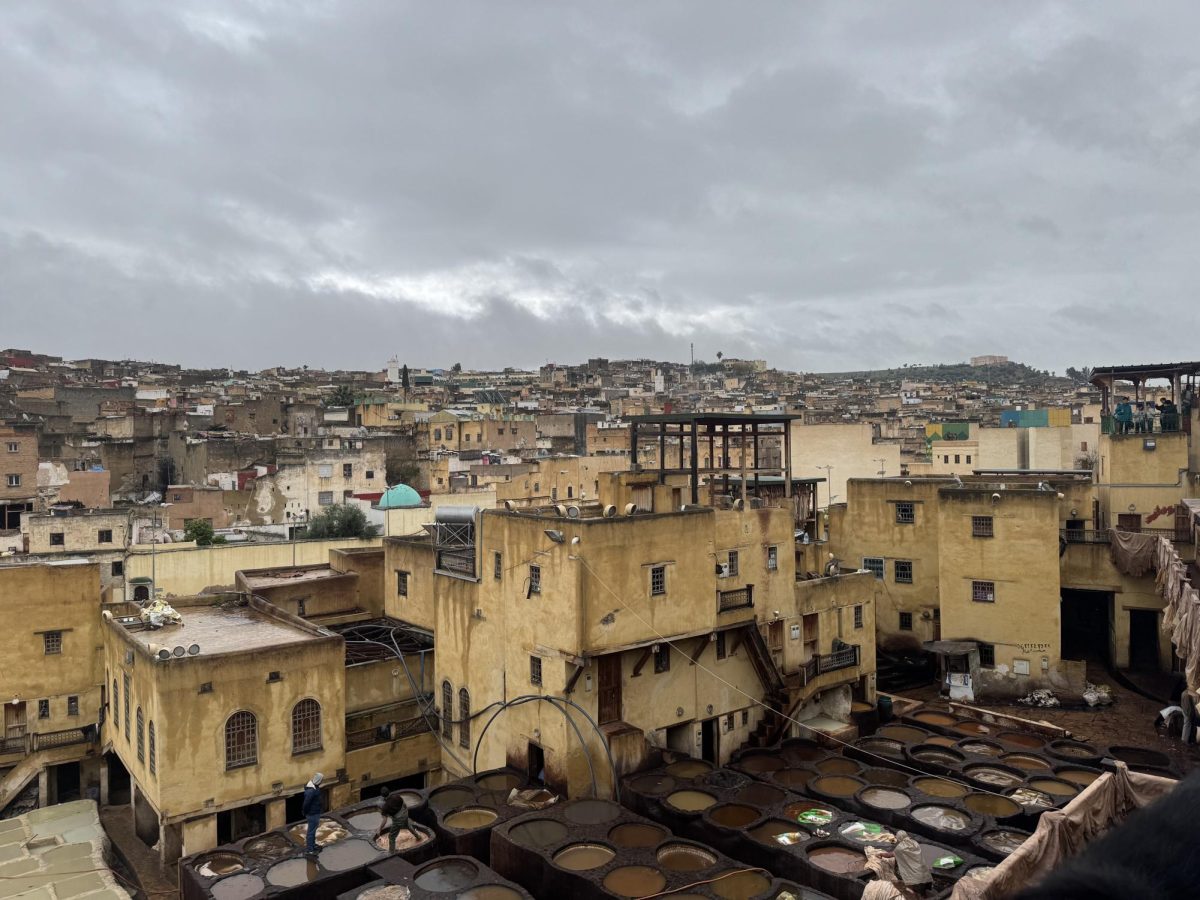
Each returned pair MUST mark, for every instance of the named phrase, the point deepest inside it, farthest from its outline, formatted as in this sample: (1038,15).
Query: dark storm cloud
(825,185)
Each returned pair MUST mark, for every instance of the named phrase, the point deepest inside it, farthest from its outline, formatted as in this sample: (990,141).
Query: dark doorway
(66,783)
(1075,530)
(708,740)
(1086,625)
(1143,639)
(235,824)
(118,781)
(535,768)
(609,688)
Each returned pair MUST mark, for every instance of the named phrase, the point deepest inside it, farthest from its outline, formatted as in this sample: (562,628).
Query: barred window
(464,713)
(447,708)
(535,579)
(401,584)
(72,705)
(125,678)
(658,581)
(306,726)
(733,563)
(874,564)
(43,709)
(983,591)
(982,526)
(51,642)
(906,512)
(141,736)
(858,616)
(904,571)
(241,740)
(116,702)
(772,558)
(497,565)
(535,670)
(906,621)
(153,750)
(721,645)
(987,656)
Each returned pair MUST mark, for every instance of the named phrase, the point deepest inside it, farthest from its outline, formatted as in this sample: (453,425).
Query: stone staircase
(19,776)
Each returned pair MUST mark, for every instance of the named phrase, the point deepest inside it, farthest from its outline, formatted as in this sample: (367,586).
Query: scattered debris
(1097,694)
(1040,697)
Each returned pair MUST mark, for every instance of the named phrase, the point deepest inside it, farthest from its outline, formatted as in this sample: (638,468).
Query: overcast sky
(826,185)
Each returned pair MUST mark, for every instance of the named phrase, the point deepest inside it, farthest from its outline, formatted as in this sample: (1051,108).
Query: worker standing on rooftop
(312,808)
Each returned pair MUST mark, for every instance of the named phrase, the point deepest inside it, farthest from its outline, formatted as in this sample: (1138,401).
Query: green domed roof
(399,497)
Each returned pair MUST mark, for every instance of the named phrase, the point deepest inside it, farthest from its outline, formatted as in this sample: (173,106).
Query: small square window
(104,536)
(535,670)
(874,564)
(274,676)
(983,526)
(14,480)
(858,616)
(205,688)
(906,512)
(535,579)
(903,571)
(118,569)
(72,706)
(662,658)
(370,474)
(658,581)
(401,584)
(987,656)
(983,591)
(772,559)
(52,642)
(745,717)
(347,470)
(13,447)
(325,498)
(497,565)
(733,563)
(906,621)
(58,539)
(43,709)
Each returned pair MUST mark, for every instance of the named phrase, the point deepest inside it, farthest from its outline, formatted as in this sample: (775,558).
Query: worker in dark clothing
(312,808)
(395,818)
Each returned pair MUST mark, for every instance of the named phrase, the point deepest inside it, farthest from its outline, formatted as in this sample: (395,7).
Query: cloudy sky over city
(830,186)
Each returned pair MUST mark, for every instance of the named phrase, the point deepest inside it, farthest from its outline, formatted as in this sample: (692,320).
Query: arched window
(447,708)
(241,740)
(464,713)
(116,706)
(153,751)
(141,736)
(306,726)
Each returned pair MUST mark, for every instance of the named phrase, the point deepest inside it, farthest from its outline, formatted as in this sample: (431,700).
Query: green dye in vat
(810,813)
(778,831)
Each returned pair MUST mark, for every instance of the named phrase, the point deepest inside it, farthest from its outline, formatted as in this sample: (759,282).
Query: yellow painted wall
(849,448)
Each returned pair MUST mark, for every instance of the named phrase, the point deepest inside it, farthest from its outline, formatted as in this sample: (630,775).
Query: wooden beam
(637,669)
(574,678)
(701,642)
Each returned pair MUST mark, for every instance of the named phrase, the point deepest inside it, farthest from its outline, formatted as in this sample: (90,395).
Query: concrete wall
(850,448)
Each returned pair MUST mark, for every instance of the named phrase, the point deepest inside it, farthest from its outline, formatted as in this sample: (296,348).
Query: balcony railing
(385,733)
(31,743)
(1155,423)
(819,663)
(1083,536)
(735,599)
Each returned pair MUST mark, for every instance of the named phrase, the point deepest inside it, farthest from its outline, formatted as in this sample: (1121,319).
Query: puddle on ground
(733,815)
(740,886)
(778,831)
(449,875)
(992,775)
(991,805)
(839,860)
(349,854)
(685,858)
(691,801)
(1003,840)
(581,857)
(217,864)
(538,832)
(838,765)
(689,768)
(328,832)
(885,798)
(237,887)
(635,834)
(470,817)
(653,784)
(592,812)
(940,787)
(944,817)
(292,872)
(635,881)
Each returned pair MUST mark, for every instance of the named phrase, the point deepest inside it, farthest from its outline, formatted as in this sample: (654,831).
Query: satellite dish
(193,649)
(178,651)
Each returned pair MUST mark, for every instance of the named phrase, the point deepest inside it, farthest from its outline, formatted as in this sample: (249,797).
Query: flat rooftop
(220,629)
(268,578)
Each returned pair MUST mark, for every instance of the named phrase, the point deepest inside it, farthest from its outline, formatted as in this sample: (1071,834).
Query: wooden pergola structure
(1178,374)
(741,431)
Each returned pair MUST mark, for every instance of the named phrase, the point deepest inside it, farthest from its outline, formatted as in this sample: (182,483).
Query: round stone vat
(293,872)
(681,857)
(739,884)
(758,763)
(538,833)
(581,857)
(998,843)
(835,867)
(883,799)
(1062,791)
(837,788)
(837,765)
(939,787)
(1028,797)
(446,876)
(242,886)
(350,854)
(942,740)
(468,818)
(329,832)
(591,812)
(690,801)
(861,832)
(733,815)
(936,758)
(884,777)
(689,768)
(971,726)
(1080,777)
(1140,757)
(1075,751)
(992,805)
(942,819)
(452,796)
(655,784)
(794,778)
(760,795)
(802,750)
(979,747)
(631,835)
(1026,762)
(994,776)
(932,717)
(907,734)
(219,864)
(266,847)
(806,812)
(779,832)
(873,748)
(1022,739)
(635,881)
(498,781)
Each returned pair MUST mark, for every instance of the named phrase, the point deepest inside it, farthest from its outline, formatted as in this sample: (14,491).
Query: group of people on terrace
(1139,417)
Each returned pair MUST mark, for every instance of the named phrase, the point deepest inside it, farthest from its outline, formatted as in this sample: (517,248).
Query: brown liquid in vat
(691,801)
(970,726)
(905,733)
(885,777)
(328,832)
(539,832)
(580,857)
(797,778)
(1025,762)
(1054,787)
(498,781)
(1003,841)
(990,775)
(882,747)
(218,864)
(635,834)
(447,876)
(935,718)
(740,886)
(635,881)
(1082,777)
(760,762)
(591,812)
(837,785)
(450,798)
(268,846)
(689,768)
(685,858)
(1022,739)
(941,740)
(938,756)
(733,815)
(653,784)
(1074,750)
(803,752)
(770,831)
(292,872)
(981,748)
(939,787)
(238,887)
(470,817)
(760,795)
(991,805)
(839,860)
(837,765)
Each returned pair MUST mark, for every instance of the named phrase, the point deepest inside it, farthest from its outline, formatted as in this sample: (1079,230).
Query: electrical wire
(696,884)
(755,700)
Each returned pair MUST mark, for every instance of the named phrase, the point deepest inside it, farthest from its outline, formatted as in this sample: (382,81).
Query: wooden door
(609,688)
(14,720)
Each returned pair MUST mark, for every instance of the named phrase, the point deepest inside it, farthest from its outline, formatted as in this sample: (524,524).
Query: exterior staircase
(17,778)
(774,687)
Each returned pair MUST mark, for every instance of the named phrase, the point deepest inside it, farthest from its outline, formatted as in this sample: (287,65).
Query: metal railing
(1155,423)
(1083,536)
(838,659)
(385,733)
(735,599)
